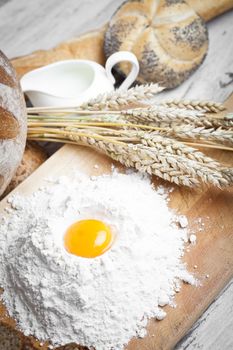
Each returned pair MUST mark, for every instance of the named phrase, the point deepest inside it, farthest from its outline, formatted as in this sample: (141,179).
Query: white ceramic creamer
(72,82)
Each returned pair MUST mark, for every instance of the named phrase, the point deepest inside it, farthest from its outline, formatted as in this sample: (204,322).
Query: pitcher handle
(119,57)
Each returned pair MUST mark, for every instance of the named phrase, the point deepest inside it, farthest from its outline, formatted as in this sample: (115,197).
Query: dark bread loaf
(13,122)
(168,37)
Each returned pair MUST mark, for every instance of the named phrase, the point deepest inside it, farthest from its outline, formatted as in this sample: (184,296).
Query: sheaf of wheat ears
(157,115)
(199,168)
(154,139)
(154,160)
(172,146)
(126,155)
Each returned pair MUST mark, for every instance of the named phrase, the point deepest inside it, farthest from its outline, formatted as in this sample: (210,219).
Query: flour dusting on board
(101,302)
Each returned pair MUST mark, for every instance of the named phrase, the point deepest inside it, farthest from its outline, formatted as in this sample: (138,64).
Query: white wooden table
(26,26)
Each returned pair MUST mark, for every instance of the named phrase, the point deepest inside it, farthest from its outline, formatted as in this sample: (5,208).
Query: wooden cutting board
(213,253)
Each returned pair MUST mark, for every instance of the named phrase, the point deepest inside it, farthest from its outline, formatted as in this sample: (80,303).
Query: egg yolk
(88,238)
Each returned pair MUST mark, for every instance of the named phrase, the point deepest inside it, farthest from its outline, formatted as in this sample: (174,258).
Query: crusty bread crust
(13,122)
(169,39)
(209,9)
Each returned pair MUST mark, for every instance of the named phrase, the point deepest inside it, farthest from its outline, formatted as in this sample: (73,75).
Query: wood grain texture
(213,254)
(27,26)
(87,46)
(214,328)
(44,24)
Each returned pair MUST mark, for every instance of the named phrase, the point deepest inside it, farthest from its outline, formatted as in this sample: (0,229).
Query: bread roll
(13,122)
(169,39)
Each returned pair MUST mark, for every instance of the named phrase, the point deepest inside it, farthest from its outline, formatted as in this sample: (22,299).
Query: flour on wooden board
(101,302)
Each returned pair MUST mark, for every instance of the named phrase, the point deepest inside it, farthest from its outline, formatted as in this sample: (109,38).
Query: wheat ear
(208,106)
(120,98)
(161,114)
(170,116)
(214,122)
(171,146)
(164,144)
(213,135)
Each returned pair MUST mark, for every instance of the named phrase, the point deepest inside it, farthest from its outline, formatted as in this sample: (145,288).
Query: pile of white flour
(101,302)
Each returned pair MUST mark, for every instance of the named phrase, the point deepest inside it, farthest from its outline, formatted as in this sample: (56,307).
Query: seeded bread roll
(13,122)
(169,39)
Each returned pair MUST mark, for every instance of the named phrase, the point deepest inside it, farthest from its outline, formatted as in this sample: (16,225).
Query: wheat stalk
(145,137)
(153,160)
(174,168)
(165,144)
(229,117)
(164,117)
(204,121)
(175,147)
(208,106)
(160,114)
(169,116)
(220,135)
(158,155)
(158,117)
(119,98)
(140,158)
(214,122)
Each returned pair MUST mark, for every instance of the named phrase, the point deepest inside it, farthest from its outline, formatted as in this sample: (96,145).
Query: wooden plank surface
(213,253)
(25,26)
